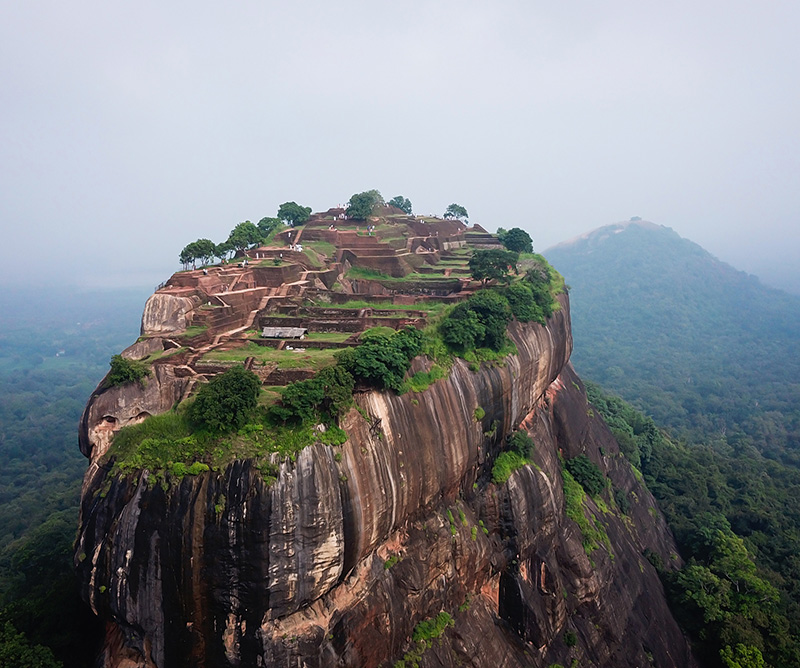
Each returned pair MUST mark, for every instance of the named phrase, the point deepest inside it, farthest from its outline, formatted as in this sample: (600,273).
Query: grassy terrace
(374,275)
(310,358)
(430,307)
(322,247)
(190,332)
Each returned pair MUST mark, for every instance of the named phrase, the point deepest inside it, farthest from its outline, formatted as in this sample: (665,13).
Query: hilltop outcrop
(342,556)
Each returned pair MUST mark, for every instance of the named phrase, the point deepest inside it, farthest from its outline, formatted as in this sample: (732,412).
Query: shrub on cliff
(505,464)
(544,282)
(520,443)
(523,304)
(382,361)
(479,322)
(226,401)
(585,471)
(325,396)
(126,371)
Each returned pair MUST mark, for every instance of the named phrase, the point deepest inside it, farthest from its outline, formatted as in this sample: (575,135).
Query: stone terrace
(200,319)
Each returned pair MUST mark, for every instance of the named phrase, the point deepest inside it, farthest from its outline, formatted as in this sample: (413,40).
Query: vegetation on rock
(586,473)
(402,203)
(126,371)
(516,239)
(227,401)
(244,235)
(456,211)
(292,213)
(361,205)
(492,265)
(479,322)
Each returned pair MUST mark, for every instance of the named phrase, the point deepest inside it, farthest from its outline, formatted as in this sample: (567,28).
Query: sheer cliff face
(336,562)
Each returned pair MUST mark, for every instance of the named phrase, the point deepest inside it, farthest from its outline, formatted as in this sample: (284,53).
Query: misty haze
(415,335)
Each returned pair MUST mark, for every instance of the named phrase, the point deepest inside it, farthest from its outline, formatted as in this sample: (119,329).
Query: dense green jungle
(712,356)
(54,349)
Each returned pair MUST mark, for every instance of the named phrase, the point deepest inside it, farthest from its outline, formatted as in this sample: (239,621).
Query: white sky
(129,129)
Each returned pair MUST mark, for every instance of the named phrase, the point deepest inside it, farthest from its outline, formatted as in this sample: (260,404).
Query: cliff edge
(397,547)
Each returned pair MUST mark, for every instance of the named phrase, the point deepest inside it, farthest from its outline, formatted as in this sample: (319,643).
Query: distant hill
(705,349)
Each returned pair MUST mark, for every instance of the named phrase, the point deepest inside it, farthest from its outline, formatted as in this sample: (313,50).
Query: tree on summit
(244,235)
(456,211)
(492,265)
(292,213)
(516,239)
(267,224)
(361,205)
(202,249)
(402,203)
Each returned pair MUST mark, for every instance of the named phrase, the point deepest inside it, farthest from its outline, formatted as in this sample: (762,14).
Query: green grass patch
(592,531)
(166,443)
(367,273)
(330,337)
(422,380)
(194,330)
(313,258)
(429,307)
(163,354)
(505,464)
(322,247)
(310,358)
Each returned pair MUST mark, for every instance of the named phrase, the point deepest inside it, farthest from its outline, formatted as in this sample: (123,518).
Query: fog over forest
(128,131)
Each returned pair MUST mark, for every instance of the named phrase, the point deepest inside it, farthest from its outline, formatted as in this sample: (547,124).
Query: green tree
(742,656)
(585,471)
(462,330)
(244,235)
(325,396)
(293,214)
(202,249)
(523,304)
(267,224)
(456,211)
(382,361)
(206,250)
(361,205)
(16,651)
(402,203)
(479,322)
(222,250)
(517,240)
(126,371)
(492,265)
(226,401)
(188,255)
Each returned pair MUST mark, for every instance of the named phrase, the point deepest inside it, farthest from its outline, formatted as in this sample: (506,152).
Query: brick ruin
(298,279)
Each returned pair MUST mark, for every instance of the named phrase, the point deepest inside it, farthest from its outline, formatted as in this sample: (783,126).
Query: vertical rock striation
(337,561)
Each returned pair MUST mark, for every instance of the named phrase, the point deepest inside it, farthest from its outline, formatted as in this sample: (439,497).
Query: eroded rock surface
(335,562)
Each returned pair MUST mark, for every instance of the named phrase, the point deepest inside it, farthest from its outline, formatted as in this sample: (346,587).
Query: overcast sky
(129,129)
